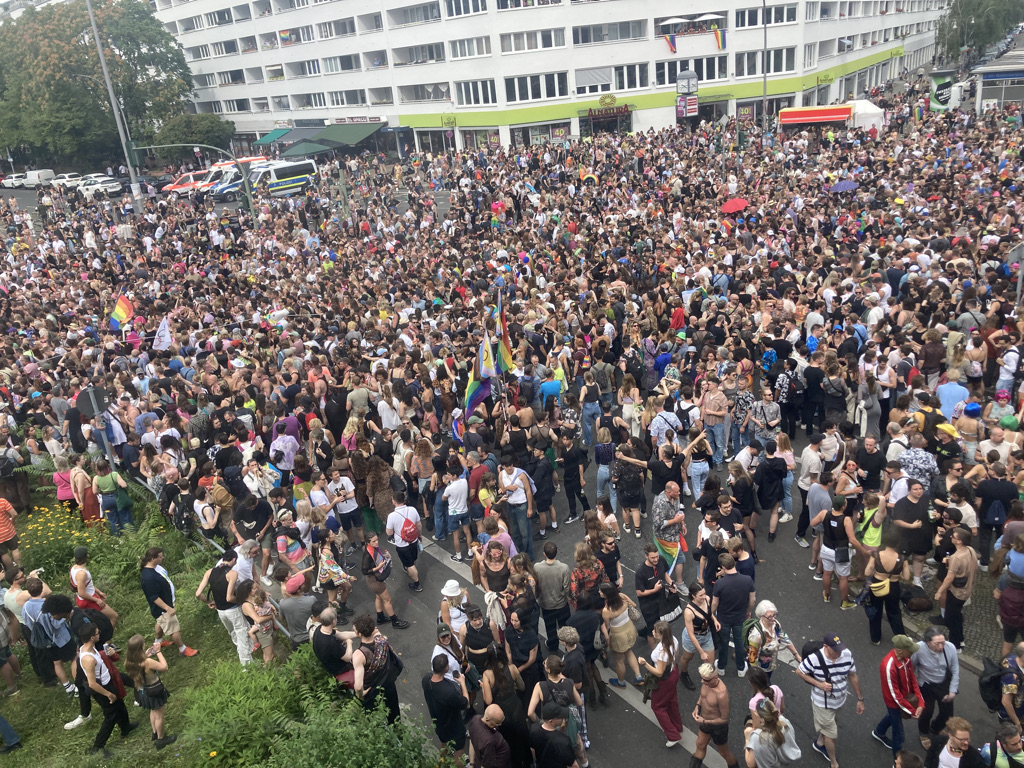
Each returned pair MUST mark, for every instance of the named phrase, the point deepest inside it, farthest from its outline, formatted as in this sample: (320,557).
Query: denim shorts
(454,521)
(707,642)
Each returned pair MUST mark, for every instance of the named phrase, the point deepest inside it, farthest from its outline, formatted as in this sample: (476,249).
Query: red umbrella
(734,205)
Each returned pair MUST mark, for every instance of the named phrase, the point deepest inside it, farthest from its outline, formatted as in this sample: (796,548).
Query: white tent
(866,114)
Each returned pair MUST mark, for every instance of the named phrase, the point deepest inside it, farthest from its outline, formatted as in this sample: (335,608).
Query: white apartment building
(500,72)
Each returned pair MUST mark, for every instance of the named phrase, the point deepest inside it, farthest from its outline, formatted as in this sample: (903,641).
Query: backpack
(586,363)
(601,376)
(915,599)
(745,631)
(183,518)
(235,483)
(409,533)
(397,483)
(221,497)
(7,466)
(990,684)
(683,414)
(518,472)
(995,514)
(528,389)
(634,365)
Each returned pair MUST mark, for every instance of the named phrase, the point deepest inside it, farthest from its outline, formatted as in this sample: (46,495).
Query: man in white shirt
(515,483)
(810,469)
(346,508)
(457,496)
(404,528)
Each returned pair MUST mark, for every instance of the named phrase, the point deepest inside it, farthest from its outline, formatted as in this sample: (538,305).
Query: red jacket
(899,683)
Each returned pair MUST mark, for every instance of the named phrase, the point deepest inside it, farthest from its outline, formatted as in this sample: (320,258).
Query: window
(470,46)
(780,60)
(710,68)
(504,5)
(811,11)
(310,100)
(774,14)
(423,54)
(232,77)
(609,33)
(347,98)
(425,92)
(515,42)
(225,48)
(205,81)
(418,14)
(465,7)
(534,87)
(810,55)
(334,64)
(218,18)
(595,80)
(746,64)
(339,28)
(308,68)
(199,52)
(236,105)
(297,35)
(376,59)
(474,92)
(631,76)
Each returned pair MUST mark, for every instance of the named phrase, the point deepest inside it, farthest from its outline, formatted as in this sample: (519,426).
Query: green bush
(235,716)
(345,735)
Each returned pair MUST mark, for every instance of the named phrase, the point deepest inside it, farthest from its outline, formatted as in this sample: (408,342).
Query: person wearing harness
(837,541)
(376,668)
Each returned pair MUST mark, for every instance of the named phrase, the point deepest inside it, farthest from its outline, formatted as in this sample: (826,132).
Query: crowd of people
(309,385)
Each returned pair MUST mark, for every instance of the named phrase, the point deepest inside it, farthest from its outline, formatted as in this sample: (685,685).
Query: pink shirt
(63,482)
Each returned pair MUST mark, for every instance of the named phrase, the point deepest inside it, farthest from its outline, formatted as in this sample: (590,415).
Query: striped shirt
(839,671)
(6,523)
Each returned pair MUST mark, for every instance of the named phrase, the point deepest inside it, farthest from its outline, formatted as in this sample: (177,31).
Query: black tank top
(608,422)
(478,639)
(219,589)
(517,441)
(835,531)
(593,393)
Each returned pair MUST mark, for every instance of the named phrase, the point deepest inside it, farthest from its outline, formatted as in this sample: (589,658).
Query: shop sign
(686,106)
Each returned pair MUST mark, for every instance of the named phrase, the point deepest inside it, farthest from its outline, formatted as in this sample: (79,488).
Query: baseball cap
(832,641)
(443,629)
(904,643)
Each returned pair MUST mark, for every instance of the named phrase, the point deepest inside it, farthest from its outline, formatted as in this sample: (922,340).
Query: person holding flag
(670,530)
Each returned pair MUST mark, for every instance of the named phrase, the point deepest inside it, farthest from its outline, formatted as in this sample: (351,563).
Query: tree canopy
(194,129)
(53,102)
(976,24)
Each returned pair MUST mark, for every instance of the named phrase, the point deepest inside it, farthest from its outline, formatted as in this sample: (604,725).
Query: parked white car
(14,181)
(66,180)
(93,188)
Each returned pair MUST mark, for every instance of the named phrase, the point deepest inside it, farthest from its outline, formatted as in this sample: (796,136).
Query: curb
(966,661)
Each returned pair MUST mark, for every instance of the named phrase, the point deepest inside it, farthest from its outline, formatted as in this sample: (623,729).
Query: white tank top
(90,588)
(101,672)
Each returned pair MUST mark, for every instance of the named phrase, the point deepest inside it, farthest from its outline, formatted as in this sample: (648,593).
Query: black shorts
(408,554)
(64,652)
(350,520)
(719,733)
(10,545)
(651,617)
(1010,634)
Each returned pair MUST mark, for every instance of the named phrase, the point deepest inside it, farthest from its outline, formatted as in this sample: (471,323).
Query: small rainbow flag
(720,39)
(286,35)
(123,312)
(671,40)
(476,392)
(589,177)
(458,429)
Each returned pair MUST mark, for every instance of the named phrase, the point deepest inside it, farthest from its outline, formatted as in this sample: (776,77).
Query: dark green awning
(271,137)
(348,134)
(305,147)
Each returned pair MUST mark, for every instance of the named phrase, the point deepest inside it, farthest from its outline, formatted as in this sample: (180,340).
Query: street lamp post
(243,170)
(764,65)
(117,103)
(136,189)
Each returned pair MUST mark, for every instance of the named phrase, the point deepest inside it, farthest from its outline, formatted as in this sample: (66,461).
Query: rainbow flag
(286,35)
(476,392)
(589,177)
(506,362)
(123,312)
(671,40)
(485,365)
(458,430)
(720,39)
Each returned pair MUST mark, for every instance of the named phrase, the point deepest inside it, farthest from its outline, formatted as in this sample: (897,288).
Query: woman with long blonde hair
(628,397)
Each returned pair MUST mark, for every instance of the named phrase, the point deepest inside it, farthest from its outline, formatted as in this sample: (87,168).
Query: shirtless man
(712,717)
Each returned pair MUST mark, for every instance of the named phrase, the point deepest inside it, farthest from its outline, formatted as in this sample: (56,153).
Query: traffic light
(135,155)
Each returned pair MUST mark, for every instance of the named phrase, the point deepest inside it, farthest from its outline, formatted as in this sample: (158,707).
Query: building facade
(500,72)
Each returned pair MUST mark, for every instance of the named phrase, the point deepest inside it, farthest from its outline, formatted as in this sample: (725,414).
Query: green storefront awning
(271,137)
(347,135)
(305,147)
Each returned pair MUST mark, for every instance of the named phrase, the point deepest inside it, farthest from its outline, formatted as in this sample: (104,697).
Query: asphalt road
(627,730)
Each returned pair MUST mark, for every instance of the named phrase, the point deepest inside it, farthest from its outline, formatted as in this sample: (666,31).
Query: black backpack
(990,684)
(684,412)
(634,365)
(7,466)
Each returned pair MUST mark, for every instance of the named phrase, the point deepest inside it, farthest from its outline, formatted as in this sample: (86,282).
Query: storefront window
(540,134)
(481,138)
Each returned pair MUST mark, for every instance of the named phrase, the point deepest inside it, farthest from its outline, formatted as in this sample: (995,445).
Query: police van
(282,178)
(228,187)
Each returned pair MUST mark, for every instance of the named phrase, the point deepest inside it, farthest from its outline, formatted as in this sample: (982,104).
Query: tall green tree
(194,129)
(53,102)
(976,24)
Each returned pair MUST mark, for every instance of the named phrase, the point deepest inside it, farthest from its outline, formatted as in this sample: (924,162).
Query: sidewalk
(982,634)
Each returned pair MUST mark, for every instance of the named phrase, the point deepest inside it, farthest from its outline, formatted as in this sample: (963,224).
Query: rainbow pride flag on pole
(123,312)
(720,39)
(485,365)
(505,360)
(476,392)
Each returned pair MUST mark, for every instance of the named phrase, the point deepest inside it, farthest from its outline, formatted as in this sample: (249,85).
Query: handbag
(123,499)
(880,588)
(650,684)
(842,554)
(636,617)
